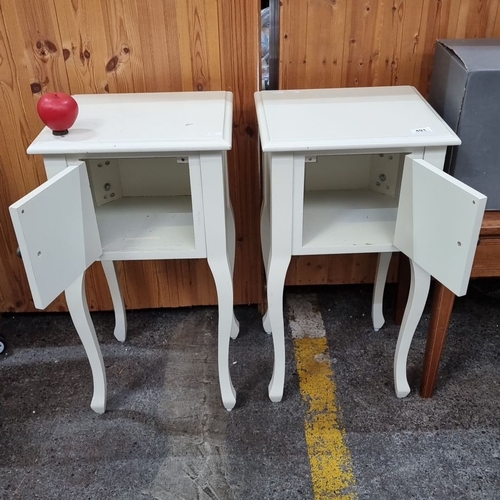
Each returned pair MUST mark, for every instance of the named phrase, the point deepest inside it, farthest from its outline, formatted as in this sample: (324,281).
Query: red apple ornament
(58,111)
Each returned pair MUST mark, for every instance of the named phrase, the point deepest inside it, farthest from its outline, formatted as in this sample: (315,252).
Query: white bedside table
(358,170)
(139,176)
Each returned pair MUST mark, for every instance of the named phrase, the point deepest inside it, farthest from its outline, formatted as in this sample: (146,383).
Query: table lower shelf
(144,228)
(347,221)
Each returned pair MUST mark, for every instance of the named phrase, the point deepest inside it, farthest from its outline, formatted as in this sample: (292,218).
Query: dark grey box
(465,91)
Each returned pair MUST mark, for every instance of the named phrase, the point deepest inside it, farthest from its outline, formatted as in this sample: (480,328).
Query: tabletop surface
(144,122)
(336,119)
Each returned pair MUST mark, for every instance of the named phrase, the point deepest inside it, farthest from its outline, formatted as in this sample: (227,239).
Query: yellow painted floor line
(330,459)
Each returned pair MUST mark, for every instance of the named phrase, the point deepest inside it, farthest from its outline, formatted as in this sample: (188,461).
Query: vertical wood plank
(83,35)
(383,42)
(158,25)
(362,43)
(308,57)
(336,269)
(240,55)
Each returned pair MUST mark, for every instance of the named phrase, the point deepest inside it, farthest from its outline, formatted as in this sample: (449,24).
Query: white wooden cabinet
(139,176)
(359,170)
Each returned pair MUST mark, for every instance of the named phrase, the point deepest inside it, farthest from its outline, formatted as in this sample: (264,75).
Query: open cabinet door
(57,232)
(438,223)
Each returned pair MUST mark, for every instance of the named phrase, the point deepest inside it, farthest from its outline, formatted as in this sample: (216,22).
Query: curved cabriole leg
(78,308)
(266,322)
(117,298)
(231,250)
(219,225)
(280,183)
(265,231)
(274,317)
(224,285)
(419,290)
(235,327)
(231,239)
(383,261)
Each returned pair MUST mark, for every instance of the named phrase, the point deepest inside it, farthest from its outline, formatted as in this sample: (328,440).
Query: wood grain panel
(342,43)
(375,42)
(487,259)
(310,32)
(337,269)
(240,22)
(94,46)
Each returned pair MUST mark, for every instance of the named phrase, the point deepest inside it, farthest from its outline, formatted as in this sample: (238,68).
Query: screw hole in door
(459,243)
(39,254)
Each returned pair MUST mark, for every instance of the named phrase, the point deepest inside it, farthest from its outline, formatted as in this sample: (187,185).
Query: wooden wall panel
(243,79)
(97,46)
(337,269)
(348,43)
(373,42)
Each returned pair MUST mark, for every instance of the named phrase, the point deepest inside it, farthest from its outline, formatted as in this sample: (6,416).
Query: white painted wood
(142,153)
(197,204)
(57,232)
(265,226)
(144,122)
(105,181)
(111,273)
(348,204)
(348,118)
(300,178)
(281,193)
(386,170)
(54,164)
(266,322)
(79,311)
(438,223)
(419,290)
(383,261)
(142,228)
(435,156)
(347,221)
(215,210)
(338,172)
(230,236)
(154,177)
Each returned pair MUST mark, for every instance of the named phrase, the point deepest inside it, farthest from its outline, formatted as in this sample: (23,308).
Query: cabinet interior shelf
(348,221)
(147,227)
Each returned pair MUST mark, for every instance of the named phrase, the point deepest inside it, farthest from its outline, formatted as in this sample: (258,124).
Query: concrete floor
(166,435)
